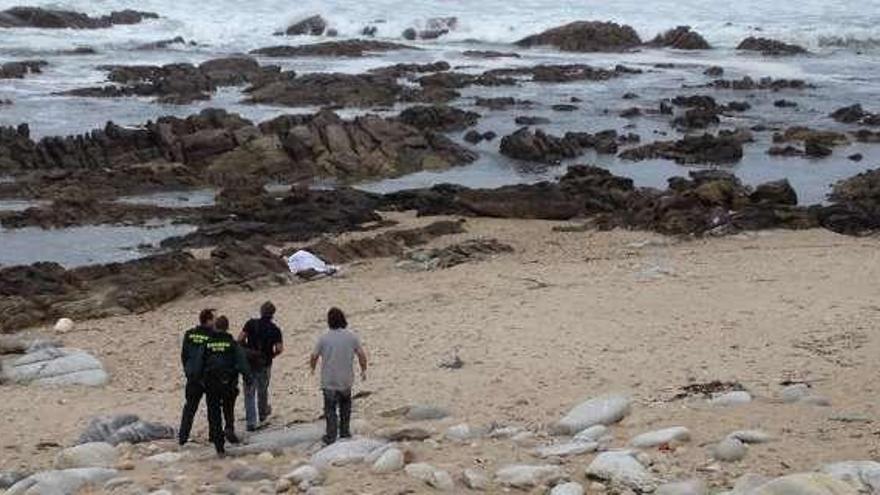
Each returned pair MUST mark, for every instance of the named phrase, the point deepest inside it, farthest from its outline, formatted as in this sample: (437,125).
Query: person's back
(223,361)
(263,342)
(192,358)
(337,349)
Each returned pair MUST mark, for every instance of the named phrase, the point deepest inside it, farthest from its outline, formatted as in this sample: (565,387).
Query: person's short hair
(222,323)
(206,316)
(336,319)
(267,309)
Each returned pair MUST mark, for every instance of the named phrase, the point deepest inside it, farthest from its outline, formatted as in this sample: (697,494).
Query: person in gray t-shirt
(337,349)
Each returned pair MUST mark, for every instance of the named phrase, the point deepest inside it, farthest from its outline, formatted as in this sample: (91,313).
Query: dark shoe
(345,435)
(221,451)
(328,441)
(251,428)
(232,438)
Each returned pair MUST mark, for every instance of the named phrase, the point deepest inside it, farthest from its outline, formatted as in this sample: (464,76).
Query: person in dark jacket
(191,354)
(224,360)
(263,342)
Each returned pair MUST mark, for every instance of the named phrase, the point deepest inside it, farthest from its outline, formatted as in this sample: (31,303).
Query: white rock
(729,450)
(64,325)
(621,469)
(424,412)
(566,449)
(523,437)
(506,432)
(346,452)
(61,482)
(165,458)
(266,457)
(390,461)
(420,471)
(748,482)
(591,434)
(95,454)
(795,392)
(442,481)
(690,487)
(57,366)
(306,473)
(605,410)
(528,476)
(805,484)
(462,432)
(752,436)
(676,434)
(864,476)
(735,398)
(475,479)
(568,489)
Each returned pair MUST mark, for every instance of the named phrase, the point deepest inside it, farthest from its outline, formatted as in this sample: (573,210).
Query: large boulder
(864,476)
(344,452)
(36,17)
(586,36)
(440,118)
(123,428)
(347,48)
(57,366)
(351,90)
(604,410)
(17,70)
(526,477)
(706,148)
(279,440)
(651,439)
(313,26)
(538,146)
(622,470)
(681,38)
(777,192)
(770,47)
(61,482)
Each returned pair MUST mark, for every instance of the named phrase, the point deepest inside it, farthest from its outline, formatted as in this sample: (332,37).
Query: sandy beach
(567,316)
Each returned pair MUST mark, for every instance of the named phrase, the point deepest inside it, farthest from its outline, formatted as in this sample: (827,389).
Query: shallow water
(844,71)
(79,246)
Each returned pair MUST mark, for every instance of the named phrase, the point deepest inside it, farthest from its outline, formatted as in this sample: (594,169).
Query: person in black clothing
(223,361)
(191,356)
(262,342)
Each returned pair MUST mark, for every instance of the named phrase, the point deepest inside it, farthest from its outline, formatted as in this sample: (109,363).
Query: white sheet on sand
(304,261)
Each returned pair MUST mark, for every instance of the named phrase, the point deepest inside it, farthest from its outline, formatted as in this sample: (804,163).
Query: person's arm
(241,362)
(362,361)
(184,350)
(316,354)
(243,335)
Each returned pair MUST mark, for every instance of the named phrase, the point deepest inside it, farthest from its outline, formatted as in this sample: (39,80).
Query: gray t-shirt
(337,350)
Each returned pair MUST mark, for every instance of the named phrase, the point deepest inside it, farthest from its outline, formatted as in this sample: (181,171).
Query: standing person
(191,355)
(336,349)
(262,341)
(224,360)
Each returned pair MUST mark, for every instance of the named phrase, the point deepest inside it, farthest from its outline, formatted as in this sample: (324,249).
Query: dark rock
(856,157)
(458,254)
(489,54)
(784,104)
(855,114)
(370,31)
(36,17)
(630,96)
(798,133)
(714,71)
(17,70)
(500,103)
(458,80)
(538,147)
(695,101)
(402,70)
(690,149)
(313,26)
(856,205)
(529,120)
(438,118)
(788,150)
(697,118)
(681,38)
(562,73)
(815,149)
(586,36)
(124,428)
(475,137)
(564,107)
(410,34)
(631,112)
(737,106)
(163,44)
(766,83)
(777,192)
(347,48)
(358,90)
(770,47)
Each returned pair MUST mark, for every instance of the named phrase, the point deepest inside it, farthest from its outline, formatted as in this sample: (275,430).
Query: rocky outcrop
(706,148)
(555,73)
(856,205)
(347,48)
(765,83)
(855,114)
(17,70)
(458,80)
(434,28)
(369,146)
(181,83)
(681,38)
(403,70)
(537,146)
(356,90)
(586,36)
(770,47)
(312,26)
(439,118)
(36,17)
(57,367)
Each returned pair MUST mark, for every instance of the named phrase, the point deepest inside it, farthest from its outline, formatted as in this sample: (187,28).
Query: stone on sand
(571,488)
(729,450)
(430,475)
(591,434)
(403,433)
(426,413)
(735,398)
(57,366)
(864,476)
(124,428)
(805,484)
(94,454)
(390,461)
(165,458)
(525,476)
(751,436)
(794,392)
(566,449)
(346,452)
(61,482)
(305,474)
(621,469)
(463,432)
(248,474)
(64,325)
(690,487)
(676,434)
(605,410)
(475,479)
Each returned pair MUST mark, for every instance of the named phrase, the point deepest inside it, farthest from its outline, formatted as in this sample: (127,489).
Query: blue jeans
(256,396)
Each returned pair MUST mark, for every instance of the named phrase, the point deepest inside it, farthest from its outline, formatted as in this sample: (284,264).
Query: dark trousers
(193,392)
(220,399)
(333,400)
